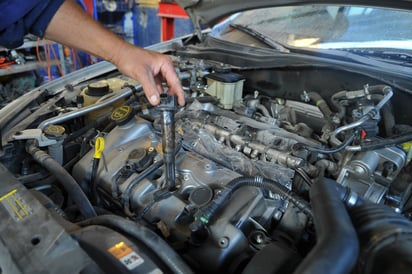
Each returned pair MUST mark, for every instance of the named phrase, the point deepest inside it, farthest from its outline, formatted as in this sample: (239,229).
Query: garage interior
(37,61)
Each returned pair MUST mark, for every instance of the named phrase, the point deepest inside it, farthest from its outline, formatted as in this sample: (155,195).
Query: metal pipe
(280,157)
(121,94)
(167,107)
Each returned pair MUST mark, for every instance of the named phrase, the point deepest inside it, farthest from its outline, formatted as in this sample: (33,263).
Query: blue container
(182,27)
(147,26)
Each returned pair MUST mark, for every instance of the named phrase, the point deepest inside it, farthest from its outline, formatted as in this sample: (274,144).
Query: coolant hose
(337,248)
(385,239)
(395,140)
(322,105)
(68,182)
(149,238)
(207,214)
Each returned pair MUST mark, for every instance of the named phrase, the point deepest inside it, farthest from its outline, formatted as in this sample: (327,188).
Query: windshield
(320,26)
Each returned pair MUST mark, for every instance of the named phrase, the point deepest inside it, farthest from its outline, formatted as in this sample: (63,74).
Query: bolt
(259,238)
(359,170)
(256,94)
(223,242)
(277,215)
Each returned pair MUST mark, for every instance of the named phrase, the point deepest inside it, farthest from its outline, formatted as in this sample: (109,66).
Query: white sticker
(132,260)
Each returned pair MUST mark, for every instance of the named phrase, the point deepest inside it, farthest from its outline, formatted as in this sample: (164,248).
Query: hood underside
(205,13)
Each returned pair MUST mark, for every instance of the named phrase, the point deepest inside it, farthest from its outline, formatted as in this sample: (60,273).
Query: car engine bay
(276,170)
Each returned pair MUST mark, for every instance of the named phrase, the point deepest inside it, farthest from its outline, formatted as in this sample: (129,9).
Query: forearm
(73,27)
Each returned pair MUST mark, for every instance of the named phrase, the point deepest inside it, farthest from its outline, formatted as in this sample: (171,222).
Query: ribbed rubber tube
(207,214)
(149,238)
(385,240)
(337,247)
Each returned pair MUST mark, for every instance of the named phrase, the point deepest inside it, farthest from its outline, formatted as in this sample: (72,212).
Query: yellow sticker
(15,205)
(120,250)
(126,255)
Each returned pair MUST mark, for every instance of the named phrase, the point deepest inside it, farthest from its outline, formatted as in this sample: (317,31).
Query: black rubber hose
(168,256)
(336,149)
(322,105)
(335,102)
(126,194)
(93,124)
(68,182)
(93,183)
(342,95)
(388,118)
(396,140)
(155,166)
(337,247)
(385,240)
(379,89)
(207,214)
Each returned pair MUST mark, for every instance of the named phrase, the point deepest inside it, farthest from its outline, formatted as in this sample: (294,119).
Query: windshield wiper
(260,37)
(385,55)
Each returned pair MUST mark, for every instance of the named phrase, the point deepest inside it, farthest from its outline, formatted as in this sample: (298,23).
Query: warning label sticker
(15,205)
(126,255)
(132,260)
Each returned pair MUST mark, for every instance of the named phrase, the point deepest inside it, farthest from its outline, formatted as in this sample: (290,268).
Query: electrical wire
(39,59)
(74,60)
(47,57)
(302,173)
(56,59)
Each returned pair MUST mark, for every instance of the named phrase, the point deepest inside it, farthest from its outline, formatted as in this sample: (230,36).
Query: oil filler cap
(54,131)
(121,115)
(98,89)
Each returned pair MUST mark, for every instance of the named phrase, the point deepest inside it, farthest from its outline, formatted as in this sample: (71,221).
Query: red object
(89,6)
(4,63)
(168,13)
(363,134)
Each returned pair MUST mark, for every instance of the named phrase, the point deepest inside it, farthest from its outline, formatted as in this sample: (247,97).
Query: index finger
(173,82)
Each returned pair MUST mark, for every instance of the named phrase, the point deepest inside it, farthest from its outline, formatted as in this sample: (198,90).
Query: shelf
(27,44)
(29,65)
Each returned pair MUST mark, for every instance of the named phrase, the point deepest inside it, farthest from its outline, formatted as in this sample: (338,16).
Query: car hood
(205,13)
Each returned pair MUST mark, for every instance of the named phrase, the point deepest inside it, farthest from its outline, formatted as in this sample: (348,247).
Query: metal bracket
(29,134)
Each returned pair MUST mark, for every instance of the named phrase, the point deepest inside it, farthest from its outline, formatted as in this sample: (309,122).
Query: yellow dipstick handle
(98,148)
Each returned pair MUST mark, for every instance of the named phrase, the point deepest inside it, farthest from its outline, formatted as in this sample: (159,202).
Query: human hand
(150,69)
(75,28)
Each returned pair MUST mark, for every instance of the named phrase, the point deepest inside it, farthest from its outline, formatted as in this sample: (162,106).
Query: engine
(237,195)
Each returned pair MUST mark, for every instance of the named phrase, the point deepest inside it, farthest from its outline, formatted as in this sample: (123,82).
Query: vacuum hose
(206,215)
(337,248)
